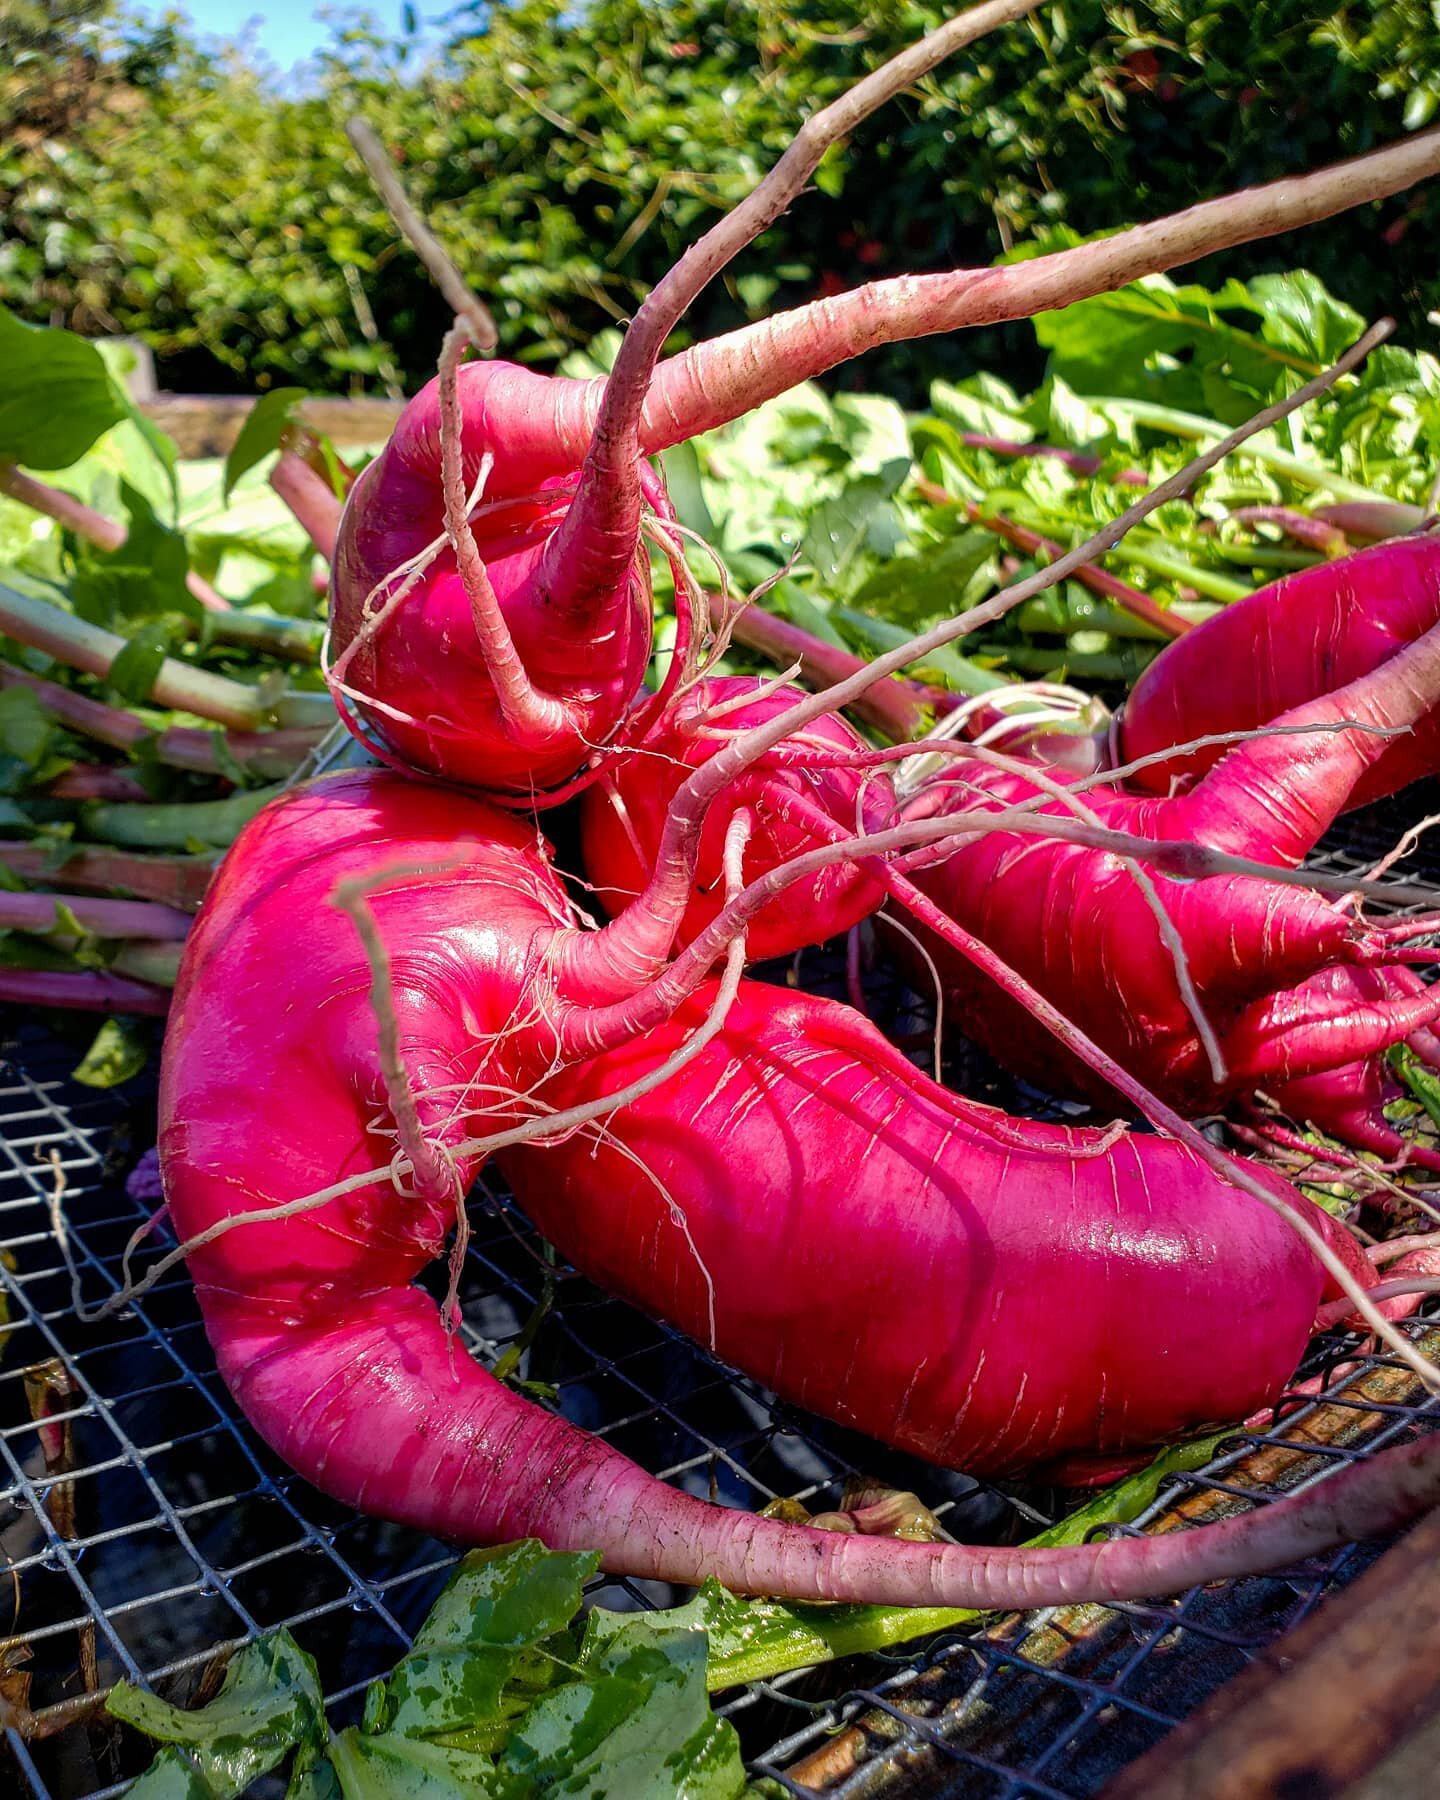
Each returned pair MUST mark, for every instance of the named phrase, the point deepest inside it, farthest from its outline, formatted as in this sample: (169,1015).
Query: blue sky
(287,30)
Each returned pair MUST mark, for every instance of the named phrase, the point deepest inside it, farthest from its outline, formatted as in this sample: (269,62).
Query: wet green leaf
(135,670)
(841,526)
(498,1605)
(638,1724)
(270,1701)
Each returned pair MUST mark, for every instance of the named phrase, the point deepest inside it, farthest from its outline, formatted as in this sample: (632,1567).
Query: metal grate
(173,1533)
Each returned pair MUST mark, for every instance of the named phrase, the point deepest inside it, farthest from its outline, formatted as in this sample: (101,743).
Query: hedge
(150,184)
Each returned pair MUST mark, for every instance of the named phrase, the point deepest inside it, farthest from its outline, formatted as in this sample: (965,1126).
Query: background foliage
(150,185)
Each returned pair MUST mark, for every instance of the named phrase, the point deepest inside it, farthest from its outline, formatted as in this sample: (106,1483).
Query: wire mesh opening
(146,1529)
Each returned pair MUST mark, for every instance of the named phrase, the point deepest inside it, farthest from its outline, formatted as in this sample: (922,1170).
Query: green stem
(144,959)
(89,647)
(961,675)
(1196,427)
(1160,561)
(269,754)
(1268,556)
(1061,665)
(176,826)
(756,1639)
(299,710)
(298,640)
(509,1359)
(1059,613)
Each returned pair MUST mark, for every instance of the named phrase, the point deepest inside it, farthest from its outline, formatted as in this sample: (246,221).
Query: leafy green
(27,730)
(501,1697)
(841,527)
(270,1701)
(498,1608)
(118,1051)
(144,577)
(638,1723)
(136,668)
(56,398)
(1421,1081)
(265,424)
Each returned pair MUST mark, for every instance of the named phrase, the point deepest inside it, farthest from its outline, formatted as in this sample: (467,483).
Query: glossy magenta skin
(1288,643)
(987,1293)
(622,817)
(425,661)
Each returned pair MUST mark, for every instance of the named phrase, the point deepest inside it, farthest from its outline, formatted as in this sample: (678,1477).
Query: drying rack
(146,1530)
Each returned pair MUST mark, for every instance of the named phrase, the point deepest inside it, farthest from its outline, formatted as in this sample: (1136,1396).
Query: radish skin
(737,1203)
(1295,641)
(345,1368)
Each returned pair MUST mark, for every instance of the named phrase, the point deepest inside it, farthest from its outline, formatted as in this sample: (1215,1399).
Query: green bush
(567,157)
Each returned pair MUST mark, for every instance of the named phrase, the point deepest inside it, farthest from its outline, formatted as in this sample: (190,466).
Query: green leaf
(163,449)
(135,670)
(1421,1081)
(872,429)
(1155,340)
(56,397)
(172,1776)
(681,466)
(265,424)
(117,1051)
(270,1701)
(390,1767)
(838,529)
(27,730)
(312,1776)
(914,590)
(143,578)
(638,1724)
(497,1605)
(983,405)
(1299,314)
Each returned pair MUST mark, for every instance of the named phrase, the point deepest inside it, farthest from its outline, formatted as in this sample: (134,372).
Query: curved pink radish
(623,815)
(276,1085)
(987,1293)
(1078,926)
(1295,641)
(429,681)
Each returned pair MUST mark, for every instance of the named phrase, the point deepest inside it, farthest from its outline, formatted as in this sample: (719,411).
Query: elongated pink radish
(733,1203)
(505,650)
(1078,924)
(724,378)
(1253,951)
(1297,640)
(623,818)
(282,1089)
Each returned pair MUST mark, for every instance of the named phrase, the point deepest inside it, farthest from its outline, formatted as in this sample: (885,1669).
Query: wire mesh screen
(146,1530)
